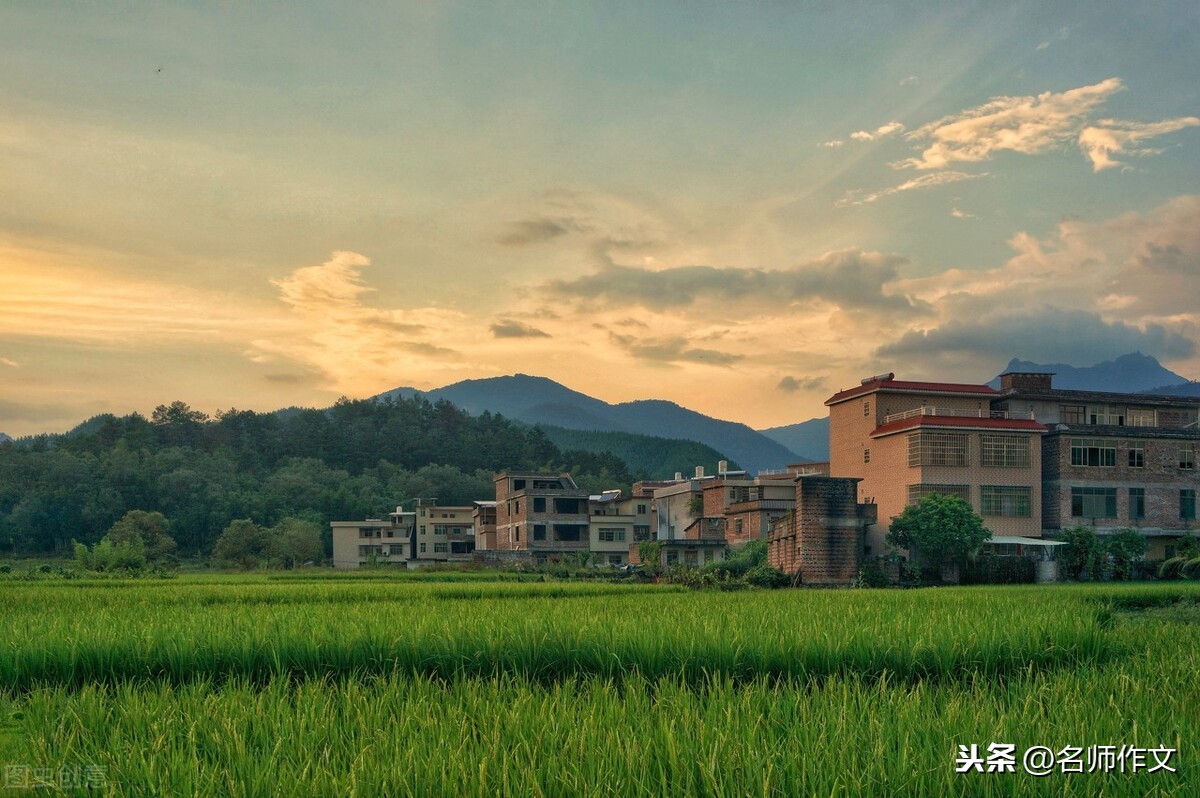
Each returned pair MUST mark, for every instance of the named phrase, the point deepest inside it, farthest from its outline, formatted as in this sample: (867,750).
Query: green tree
(1124,550)
(942,530)
(243,544)
(650,555)
(1083,556)
(148,528)
(295,541)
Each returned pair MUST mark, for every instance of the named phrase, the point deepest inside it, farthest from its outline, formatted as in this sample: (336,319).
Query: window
(1005,500)
(1109,416)
(422,529)
(866,407)
(612,535)
(518,508)
(1187,456)
(1004,451)
(641,509)
(866,455)
(1137,455)
(737,526)
(539,505)
(672,557)
(1094,502)
(539,531)
(1137,503)
(566,533)
(1072,414)
(1187,504)
(1140,417)
(440,548)
(422,548)
(614,559)
(938,449)
(641,532)
(439,530)
(1093,452)
(516,532)
(918,492)
(708,555)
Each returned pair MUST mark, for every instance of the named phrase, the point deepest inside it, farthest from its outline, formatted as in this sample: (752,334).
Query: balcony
(956,413)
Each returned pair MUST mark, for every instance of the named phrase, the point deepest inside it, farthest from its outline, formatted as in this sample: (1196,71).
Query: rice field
(349,686)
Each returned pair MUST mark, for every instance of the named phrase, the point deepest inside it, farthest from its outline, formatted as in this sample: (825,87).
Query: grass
(369,687)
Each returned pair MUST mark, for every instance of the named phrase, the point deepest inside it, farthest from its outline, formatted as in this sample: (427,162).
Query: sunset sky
(740,207)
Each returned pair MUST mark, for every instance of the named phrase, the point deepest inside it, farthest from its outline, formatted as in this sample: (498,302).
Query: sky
(740,207)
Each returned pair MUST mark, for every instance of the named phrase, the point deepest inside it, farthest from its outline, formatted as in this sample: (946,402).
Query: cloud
(851,279)
(540,230)
(958,214)
(1028,125)
(1042,45)
(674,349)
(882,132)
(347,341)
(510,328)
(932,180)
(1110,137)
(911,80)
(337,282)
(1047,334)
(833,143)
(792,384)
(12,364)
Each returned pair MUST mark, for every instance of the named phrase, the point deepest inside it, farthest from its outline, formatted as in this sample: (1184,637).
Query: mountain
(809,437)
(538,400)
(1183,389)
(4,438)
(1132,373)
(648,456)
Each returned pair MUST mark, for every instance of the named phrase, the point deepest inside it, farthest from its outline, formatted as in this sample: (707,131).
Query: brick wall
(822,539)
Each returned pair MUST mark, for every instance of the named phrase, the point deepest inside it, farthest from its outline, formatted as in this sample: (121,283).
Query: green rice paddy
(375,686)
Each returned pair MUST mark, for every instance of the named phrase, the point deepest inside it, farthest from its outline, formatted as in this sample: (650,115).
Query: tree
(1083,556)
(150,530)
(1124,549)
(942,530)
(243,544)
(294,541)
(650,555)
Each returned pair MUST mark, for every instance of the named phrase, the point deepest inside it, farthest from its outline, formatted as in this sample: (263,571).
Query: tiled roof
(914,387)
(959,422)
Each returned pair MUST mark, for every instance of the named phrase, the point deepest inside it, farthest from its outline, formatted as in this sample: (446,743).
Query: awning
(1024,541)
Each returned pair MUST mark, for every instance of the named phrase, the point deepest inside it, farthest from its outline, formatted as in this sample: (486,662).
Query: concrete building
(444,533)
(1113,461)
(484,520)
(906,440)
(540,513)
(374,541)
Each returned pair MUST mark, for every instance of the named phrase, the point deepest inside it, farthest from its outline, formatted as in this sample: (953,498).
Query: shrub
(1083,556)
(991,570)
(1125,549)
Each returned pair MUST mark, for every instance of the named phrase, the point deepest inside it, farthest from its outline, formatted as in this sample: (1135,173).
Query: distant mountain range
(538,400)
(1132,373)
(4,438)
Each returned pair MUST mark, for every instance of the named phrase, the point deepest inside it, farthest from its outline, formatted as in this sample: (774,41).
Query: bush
(991,570)
(1083,556)
(1125,549)
(872,574)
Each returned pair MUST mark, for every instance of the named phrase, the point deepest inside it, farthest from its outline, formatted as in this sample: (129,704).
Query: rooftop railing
(955,412)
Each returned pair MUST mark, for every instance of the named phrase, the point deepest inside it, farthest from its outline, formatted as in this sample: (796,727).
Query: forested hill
(355,460)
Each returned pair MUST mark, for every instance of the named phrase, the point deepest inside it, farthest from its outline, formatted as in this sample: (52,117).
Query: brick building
(541,513)
(821,541)
(1113,461)
(906,440)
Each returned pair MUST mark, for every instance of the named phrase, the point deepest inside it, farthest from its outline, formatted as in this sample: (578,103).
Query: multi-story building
(444,532)
(374,541)
(484,520)
(1113,461)
(746,508)
(540,513)
(905,440)
(611,528)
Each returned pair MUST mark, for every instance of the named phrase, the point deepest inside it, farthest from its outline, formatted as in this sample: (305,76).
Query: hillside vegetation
(358,459)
